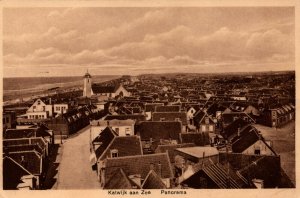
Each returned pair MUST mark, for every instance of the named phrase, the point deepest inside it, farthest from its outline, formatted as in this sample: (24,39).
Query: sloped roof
(199,116)
(170,116)
(167,108)
(217,173)
(232,129)
(199,139)
(32,158)
(19,133)
(119,180)
(151,106)
(126,146)
(248,138)
(113,122)
(138,117)
(139,165)
(104,138)
(170,148)
(12,173)
(159,130)
(21,141)
(153,181)
(266,168)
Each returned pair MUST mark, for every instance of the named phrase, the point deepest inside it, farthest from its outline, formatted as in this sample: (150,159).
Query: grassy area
(284,144)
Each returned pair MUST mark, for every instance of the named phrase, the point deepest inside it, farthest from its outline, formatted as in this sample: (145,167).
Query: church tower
(87,85)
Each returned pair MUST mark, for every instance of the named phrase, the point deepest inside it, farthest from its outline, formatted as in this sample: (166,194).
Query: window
(39,102)
(211,128)
(206,120)
(257,151)
(114,153)
(203,128)
(57,108)
(44,108)
(162,119)
(127,131)
(34,107)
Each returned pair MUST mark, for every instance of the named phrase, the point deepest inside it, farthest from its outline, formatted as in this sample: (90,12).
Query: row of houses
(26,157)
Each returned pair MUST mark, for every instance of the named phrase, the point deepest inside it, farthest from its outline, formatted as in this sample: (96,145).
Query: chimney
(159,169)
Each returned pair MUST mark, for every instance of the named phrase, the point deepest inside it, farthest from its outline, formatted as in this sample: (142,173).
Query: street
(74,171)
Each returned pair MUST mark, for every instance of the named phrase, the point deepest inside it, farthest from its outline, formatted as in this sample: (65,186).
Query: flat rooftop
(198,151)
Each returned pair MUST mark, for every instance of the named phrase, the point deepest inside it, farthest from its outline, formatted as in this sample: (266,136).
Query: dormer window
(114,153)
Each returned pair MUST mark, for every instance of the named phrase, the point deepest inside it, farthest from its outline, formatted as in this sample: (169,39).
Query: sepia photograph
(131,99)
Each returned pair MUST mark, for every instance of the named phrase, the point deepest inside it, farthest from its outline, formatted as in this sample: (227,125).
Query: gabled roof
(159,130)
(33,160)
(139,165)
(248,138)
(153,181)
(105,89)
(170,116)
(104,139)
(119,180)
(102,89)
(125,145)
(212,109)
(266,168)
(217,173)
(232,129)
(12,173)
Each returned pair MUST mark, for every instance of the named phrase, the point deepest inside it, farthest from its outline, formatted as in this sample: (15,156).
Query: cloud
(157,38)
(268,43)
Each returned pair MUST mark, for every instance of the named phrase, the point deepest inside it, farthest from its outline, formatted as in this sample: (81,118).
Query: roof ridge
(18,165)
(135,156)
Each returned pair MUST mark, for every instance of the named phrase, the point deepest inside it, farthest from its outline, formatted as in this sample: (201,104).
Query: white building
(39,110)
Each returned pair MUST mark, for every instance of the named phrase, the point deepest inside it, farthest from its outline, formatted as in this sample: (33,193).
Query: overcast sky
(68,41)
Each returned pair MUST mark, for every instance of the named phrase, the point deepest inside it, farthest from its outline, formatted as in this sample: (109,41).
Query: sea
(24,86)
